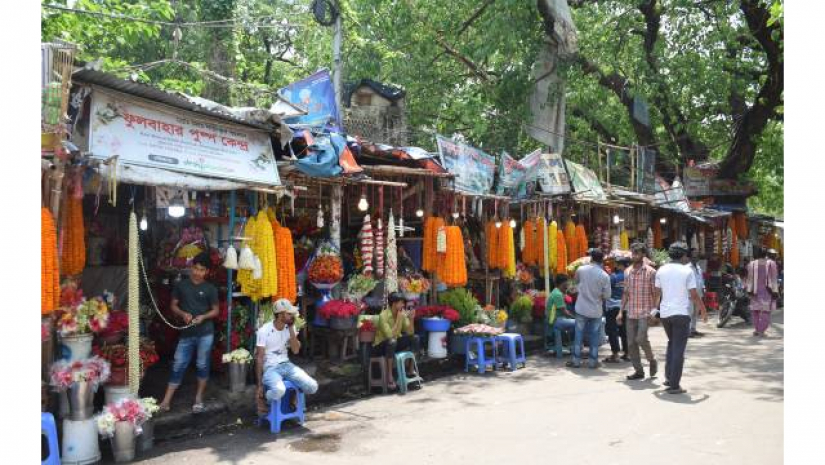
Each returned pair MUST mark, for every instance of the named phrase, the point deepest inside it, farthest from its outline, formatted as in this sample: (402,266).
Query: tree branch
(467,62)
(474,17)
(596,125)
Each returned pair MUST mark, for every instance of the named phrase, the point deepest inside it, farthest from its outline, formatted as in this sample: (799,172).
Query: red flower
(367,326)
(451,315)
(339,309)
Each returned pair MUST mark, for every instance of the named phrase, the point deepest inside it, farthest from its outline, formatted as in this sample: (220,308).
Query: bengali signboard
(146,134)
(704,182)
(474,169)
(548,170)
(315,94)
(584,181)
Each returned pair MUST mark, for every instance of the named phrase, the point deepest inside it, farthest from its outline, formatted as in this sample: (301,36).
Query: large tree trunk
(220,56)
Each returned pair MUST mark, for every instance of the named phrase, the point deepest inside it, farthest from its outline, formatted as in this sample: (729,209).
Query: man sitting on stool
(392,322)
(273,365)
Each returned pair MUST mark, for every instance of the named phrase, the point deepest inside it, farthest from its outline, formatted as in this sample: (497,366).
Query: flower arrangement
(360,285)
(117,355)
(414,284)
(461,300)
(129,410)
(573,266)
(339,309)
(366,325)
(539,303)
(45,331)
(521,308)
(326,268)
(94,370)
(148,355)
(150,406)
(524,275)
(81,316)
(479,330)
(238,356)
(437,311)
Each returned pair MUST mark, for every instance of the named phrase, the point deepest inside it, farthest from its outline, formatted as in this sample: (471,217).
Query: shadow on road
(686,398)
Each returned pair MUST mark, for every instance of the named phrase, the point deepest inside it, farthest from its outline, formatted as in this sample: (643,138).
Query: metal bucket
(146,440)
(113,394)
(80,445)
(123,443)
(237,377)
(81,400)
(77,347)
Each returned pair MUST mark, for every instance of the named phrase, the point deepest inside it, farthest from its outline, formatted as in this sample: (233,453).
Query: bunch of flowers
(326,268)
(94,370)
(45,331)
(87,316)
(148,355)
(521,308)
(118,323)
(479,330)
(150,406)
(238,356)
(360,285)
(366,325)
(539,303)
(414,284)
(524,275)
(339,309)
(437,311)
(116,354)
(129,410)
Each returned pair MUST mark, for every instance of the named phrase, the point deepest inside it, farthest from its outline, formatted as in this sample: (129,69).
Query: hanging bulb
(513,223)
(144,225)
(363,205)
(455,215)
(498,224)
(663,220)
(616,219)
(419,213)
(177,207)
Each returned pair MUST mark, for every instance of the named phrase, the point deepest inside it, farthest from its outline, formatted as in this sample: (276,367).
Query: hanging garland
(133,309)
(581,240)
(263,246)
(507,246)
(571,242)
(541,228)
(49,267)
(529,257)
(73,253)
(453,269)
(492,236)
(379,249)
(366,245)
(553,243)
(430,253)
(287,282)
(248,285)
(561,254)
(625,240)
(391,279)
(657,235)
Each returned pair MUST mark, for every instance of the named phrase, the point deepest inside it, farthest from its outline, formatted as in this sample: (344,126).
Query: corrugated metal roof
(177,100)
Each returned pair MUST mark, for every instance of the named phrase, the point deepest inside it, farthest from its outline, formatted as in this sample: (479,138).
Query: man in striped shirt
(640,297)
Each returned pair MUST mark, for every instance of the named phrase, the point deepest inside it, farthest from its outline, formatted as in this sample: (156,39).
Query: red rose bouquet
(339,309)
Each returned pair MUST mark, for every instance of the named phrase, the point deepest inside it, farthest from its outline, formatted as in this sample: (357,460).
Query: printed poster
(474,169)
(316,94)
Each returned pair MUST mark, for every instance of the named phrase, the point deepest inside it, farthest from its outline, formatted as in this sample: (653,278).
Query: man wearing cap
(594,291)
(273,365)
(677,285)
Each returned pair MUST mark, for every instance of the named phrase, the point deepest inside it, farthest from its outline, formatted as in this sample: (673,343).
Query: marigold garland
(657,235)
(507,247)
(529,256)
(491,234)
(570,241)
(581,239)
(73,256)
(552,241)
(561,254)
(49,268)
(453,269)
(624,240)
(741,225)
(429,254)
(263,245)
(734,250)
(287,283)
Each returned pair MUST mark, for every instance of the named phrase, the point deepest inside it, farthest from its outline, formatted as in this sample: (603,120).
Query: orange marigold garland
(50,272)
(528,256)
(73,257)
(287,284)
(657,235)
(452,270)
(429,254)
(491,234)
(561,253)
(570,241)
(581,241)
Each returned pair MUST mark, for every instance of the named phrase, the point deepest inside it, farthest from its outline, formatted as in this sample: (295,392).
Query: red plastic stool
(711,301)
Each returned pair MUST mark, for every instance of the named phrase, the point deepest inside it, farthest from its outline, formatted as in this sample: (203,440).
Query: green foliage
(463,302)
(521,309)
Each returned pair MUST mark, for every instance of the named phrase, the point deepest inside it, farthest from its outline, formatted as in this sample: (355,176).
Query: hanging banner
(670,196)
(546,169)
(511,176)
(584,181)
(142,133)
(703,181)
(645,170)
(474,169)
(316,95)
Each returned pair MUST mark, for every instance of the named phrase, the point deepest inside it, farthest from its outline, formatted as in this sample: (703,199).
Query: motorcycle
(734,301)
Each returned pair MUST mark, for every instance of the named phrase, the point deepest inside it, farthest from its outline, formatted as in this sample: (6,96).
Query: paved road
(733,413)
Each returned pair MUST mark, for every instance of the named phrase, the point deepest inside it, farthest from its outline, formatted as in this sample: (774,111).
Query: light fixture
(663,220)
(498,224)
(455,215)
(363,205)
(177,208)
(144,225)
(616,219)
(419,213)
(512,223)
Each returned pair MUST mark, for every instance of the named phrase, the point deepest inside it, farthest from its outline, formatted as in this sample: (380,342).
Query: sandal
(198,408)
(611,359)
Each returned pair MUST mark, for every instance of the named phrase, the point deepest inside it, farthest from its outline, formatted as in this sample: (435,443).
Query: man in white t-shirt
(677,285)
(273,365)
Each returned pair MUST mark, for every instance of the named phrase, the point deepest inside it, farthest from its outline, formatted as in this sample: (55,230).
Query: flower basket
(435,324)
(119,377)
(366,328)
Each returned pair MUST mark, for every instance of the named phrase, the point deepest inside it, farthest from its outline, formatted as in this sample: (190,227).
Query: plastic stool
(405,380)
(481,359)
(512,353)
(49,428)
(381,381)
(281,410)
(711,300)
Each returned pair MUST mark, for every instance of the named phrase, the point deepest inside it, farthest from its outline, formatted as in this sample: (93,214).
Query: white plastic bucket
(77,347)
(80,446)
(437,344)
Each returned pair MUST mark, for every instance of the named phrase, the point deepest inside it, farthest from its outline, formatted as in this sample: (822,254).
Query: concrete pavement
(546,413)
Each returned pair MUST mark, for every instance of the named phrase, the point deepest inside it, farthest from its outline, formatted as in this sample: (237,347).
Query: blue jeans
(593,327)
(274,376)
(183,355)
(562,324)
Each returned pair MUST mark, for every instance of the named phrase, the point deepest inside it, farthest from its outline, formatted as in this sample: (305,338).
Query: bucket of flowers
(435,318)
(359,286)
(80,379)
(147,438)
(520,313)
(340,313)
(238,360)
(413,286)
(77,320)
(117,355)
(122,421)
(366,328)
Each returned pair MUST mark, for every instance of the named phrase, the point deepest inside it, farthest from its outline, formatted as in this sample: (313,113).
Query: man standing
(616,333)
(594,290)
(195,301)
(677,285)
(273,365)
(700,289)
(639,299)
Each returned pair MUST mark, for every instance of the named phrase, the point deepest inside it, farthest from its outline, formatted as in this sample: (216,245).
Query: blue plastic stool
(281,410)
(49,428)
(405,380)
(513,350)
(481,359)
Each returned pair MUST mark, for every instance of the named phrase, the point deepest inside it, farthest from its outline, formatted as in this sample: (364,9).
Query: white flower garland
(134,307)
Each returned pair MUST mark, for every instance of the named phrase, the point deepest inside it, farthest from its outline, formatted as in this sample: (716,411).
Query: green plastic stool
(404,380)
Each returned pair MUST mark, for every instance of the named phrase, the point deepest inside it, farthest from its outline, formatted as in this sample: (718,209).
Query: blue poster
(473,169)
(315,94)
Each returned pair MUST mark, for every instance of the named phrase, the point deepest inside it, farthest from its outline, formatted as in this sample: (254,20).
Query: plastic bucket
(435,324)
(437,344)
(80,445)
(77,347)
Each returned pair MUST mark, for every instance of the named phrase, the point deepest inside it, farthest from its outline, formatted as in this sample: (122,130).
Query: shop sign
(548,169)
(585,182)
(511,177)
(141,133)
(703,182)
(316,95)
(474,169)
